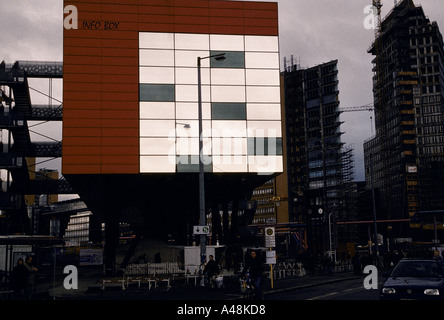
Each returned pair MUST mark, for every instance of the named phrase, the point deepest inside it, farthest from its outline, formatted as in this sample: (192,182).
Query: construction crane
(377,4)
(358,108)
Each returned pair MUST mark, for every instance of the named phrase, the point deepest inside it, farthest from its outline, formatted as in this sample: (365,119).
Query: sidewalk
(89,288)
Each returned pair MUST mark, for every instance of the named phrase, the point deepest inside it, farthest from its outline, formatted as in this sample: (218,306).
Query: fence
(296,269)
(153,269)
(288,269)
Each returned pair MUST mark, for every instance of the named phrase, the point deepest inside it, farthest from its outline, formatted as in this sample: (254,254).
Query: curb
(303,286)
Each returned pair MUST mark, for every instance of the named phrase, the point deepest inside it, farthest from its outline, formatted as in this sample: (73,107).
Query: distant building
(264,196)
(316,187)
(41,174)
(405,158)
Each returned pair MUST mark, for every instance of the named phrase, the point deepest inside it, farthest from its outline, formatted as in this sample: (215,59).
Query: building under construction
(319,167)
(404,160)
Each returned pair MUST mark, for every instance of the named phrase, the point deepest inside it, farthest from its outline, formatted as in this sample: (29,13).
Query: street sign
(201,230)
(271,257)
(270,239)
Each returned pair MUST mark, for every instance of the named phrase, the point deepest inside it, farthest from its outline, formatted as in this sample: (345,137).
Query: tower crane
(357,108)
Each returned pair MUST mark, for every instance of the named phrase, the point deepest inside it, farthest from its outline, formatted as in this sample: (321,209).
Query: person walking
(211,270)
(31,278)
(19,278)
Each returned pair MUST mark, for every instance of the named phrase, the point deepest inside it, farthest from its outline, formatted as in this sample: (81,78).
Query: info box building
(130,103)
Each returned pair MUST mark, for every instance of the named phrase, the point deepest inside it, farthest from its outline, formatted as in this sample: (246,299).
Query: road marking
(324,296)
(335,293)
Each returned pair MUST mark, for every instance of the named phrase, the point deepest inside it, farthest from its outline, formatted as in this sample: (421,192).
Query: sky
(313,31)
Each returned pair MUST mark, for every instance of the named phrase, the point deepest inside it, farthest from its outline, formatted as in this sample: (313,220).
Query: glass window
(226,42)
(157,128)
(156,75)
(315,164)
(228,93)
(192,41)
(316,184)
(191,163)
(265,164)
(157,164)
(316,174)
(260,111)
(237,163)
(191,128)
(228,76)
(262,43)
(156,92)
(263,94)
(189,93)
(189,110)
(228,111)
(260,77)
(156,110)
(157,146)
(190,146)
(229,146)
(158,40)
(264,146)
(189,76)
(233,59)
(264,128)
(156,58)
(261,60)
(189,58)
(226,128)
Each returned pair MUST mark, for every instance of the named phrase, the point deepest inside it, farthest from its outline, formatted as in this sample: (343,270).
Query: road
(352,289)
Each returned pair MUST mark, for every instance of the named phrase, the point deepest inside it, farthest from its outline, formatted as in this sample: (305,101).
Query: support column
(111,242)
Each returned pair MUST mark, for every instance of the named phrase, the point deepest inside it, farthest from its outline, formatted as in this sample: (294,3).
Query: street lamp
(330,242)
(203,247)
(374,208)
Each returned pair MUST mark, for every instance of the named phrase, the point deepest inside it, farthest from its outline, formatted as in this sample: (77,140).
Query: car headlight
(431,292)
(388,290)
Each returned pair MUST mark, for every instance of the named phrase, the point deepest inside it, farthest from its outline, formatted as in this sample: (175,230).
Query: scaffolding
(409,139)
(16,109)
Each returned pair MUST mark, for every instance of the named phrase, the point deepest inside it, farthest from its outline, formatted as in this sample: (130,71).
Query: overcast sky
(313,31)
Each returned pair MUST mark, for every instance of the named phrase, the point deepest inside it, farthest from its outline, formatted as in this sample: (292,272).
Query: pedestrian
(255,269)
(19,278)
(31,278)
(211,270)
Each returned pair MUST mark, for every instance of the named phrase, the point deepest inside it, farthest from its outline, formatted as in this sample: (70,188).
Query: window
(228,111)
(233,59)
(264,146)
(186,163)
(156,92)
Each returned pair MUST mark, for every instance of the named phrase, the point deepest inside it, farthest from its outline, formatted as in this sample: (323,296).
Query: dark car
(417,279)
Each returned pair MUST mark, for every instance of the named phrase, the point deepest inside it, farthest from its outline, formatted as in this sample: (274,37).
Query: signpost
(270,242)
(200,230)
(271,257)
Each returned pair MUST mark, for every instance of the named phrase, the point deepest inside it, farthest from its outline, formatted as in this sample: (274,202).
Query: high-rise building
(404,160)
(319,168)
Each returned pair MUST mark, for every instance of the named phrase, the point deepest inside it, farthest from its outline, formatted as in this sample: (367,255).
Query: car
(414,279)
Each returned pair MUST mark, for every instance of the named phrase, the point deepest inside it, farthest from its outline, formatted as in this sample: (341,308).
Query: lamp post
(202,218)
(374,208)
(330,243)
